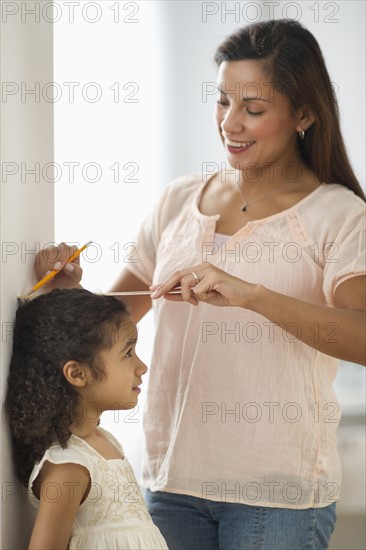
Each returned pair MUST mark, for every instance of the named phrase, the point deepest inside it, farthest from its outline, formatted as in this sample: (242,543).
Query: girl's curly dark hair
(50,330)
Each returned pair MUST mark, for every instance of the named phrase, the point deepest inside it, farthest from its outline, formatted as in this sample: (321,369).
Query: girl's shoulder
(74,453)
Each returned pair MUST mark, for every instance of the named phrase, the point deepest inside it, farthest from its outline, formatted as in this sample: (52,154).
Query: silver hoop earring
(301,134)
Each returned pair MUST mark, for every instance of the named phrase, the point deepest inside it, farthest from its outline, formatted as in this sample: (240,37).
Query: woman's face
(256,122)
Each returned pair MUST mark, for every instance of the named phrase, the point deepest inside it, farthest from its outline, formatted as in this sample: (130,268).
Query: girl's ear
(306,119)
(75,374)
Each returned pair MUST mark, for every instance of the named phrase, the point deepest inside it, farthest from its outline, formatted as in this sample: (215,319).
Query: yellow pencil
(54,272)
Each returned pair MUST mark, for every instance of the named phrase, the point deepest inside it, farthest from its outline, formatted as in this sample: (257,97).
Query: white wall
(116,57)
(26,209)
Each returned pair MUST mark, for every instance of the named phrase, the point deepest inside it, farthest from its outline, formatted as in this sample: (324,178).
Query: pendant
(244,207)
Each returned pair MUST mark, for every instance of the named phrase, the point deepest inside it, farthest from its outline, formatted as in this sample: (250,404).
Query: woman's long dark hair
(50,330)
(292,60)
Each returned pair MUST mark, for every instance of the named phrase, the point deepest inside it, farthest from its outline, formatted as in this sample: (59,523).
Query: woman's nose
(231,123)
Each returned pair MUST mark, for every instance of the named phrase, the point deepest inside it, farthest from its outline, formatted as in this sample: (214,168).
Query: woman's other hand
(55,257)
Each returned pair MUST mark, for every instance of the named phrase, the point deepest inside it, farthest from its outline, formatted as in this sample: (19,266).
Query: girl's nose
(142,368)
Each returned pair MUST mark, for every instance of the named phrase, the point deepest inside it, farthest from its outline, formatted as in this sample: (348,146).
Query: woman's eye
(254,112)
(221,102)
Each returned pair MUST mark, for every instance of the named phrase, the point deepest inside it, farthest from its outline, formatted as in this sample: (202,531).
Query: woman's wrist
(255,298)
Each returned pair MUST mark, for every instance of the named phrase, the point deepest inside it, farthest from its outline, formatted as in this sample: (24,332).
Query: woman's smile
(236,147)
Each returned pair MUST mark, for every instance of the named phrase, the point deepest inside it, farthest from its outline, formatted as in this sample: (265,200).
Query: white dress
(114,514)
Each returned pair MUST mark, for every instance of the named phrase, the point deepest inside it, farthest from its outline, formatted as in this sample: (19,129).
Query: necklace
(245,204)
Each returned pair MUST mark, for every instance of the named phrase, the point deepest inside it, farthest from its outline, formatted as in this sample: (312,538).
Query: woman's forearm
(335,331)
(139,305)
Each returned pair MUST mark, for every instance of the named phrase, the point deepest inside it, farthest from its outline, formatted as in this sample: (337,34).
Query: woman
(242,449)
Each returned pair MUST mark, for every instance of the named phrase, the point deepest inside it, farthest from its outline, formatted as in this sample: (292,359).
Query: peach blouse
(238,409)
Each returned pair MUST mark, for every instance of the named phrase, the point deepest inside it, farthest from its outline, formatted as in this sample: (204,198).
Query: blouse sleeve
(146,242)
(344,256)
(166,208)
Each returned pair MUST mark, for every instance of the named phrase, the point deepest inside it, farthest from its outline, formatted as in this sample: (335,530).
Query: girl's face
(255,121)
(123,369)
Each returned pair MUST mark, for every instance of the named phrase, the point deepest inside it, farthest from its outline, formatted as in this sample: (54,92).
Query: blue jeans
(190,523)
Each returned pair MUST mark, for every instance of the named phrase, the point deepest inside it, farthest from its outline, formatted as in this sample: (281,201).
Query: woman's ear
(75,374)
(306,118)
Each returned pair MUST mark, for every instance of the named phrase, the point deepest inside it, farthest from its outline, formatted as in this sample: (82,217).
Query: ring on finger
(196,277)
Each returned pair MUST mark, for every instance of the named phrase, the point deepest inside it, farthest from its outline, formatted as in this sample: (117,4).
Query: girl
(73,358)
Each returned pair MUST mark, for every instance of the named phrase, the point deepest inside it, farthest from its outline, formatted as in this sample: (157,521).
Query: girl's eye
(222,102)
(129,353)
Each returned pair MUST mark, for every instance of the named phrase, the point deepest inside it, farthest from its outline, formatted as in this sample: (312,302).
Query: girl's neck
(84,428)
(89,432)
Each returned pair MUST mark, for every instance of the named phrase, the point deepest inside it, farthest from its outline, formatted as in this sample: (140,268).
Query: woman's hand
(206,283)
(55,257)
